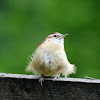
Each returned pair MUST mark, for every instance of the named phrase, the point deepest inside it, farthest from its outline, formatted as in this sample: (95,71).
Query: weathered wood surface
(27,87)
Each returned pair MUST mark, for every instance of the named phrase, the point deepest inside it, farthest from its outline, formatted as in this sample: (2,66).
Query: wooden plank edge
(21,76)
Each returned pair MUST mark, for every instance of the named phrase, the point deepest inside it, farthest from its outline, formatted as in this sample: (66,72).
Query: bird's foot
(41,80)
(56,76)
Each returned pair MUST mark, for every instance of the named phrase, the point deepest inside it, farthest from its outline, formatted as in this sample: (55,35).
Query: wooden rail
(27,87)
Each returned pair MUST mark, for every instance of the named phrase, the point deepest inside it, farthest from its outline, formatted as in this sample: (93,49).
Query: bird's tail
(70,69)
(28,69)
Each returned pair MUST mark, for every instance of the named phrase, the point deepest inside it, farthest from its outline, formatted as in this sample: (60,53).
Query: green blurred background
(26,23)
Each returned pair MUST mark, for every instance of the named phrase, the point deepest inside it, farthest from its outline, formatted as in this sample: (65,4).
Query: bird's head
(56,37)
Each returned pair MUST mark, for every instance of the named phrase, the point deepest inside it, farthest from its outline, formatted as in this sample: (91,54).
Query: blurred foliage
(26,23)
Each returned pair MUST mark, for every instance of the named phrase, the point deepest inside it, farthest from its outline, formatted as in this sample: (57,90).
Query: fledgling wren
(50,58)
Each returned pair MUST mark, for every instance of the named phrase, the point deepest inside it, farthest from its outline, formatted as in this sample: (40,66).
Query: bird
(50,58)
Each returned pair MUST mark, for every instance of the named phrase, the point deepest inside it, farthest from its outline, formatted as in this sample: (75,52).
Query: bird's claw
(41,80)
(55,76)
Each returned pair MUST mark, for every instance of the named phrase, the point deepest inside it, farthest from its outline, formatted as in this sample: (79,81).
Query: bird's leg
(41,79)
(56,76)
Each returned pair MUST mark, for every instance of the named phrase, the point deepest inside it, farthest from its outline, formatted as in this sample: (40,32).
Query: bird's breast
(49,58)
(51,54)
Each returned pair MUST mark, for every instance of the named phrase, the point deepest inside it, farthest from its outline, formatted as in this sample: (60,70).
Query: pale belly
(49,61)
(49,64)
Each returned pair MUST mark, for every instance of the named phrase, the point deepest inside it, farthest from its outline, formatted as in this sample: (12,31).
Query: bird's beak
(64,35)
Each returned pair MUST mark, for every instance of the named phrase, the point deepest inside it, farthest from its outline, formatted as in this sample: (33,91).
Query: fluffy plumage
(50,57)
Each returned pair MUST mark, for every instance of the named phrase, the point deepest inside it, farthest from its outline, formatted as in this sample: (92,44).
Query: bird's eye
(55,35)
